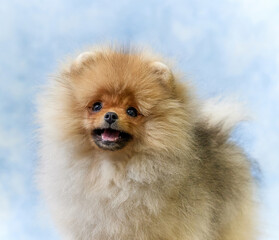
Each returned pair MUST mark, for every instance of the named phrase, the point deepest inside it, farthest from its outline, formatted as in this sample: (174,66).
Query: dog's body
(163,169)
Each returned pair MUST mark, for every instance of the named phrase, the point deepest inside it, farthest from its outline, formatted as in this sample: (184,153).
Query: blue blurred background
(226,47)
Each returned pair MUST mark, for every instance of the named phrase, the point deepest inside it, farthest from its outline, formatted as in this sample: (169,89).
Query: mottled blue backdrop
(226,47)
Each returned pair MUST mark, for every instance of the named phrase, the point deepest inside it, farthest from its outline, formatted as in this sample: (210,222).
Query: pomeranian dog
(128,152)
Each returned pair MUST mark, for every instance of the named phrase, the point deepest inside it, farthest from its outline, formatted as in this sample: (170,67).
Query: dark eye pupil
(97,107)
(132,112)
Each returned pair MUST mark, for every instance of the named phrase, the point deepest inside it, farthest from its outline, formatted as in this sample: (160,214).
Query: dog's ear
(82,62)
(86,58)
(163,73)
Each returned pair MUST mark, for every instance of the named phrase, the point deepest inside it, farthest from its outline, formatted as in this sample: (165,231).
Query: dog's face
(113,121)
(119,94)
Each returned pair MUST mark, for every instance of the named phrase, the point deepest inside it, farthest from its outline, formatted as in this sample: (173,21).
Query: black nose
(110,117)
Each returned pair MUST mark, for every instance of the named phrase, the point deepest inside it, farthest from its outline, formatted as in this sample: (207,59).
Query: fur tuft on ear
(163,72)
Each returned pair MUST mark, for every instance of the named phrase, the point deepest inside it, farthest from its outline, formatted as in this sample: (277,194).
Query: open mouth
(110,139)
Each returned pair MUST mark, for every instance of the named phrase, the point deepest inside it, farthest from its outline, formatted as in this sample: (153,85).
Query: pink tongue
(110,135)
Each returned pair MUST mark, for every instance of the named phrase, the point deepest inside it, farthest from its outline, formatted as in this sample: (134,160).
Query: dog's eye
(97,106)
(131,111)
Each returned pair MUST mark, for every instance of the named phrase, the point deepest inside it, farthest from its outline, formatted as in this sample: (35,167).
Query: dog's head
(125,99)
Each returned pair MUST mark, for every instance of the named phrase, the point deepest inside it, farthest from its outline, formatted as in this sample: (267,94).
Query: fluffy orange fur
(179,177)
